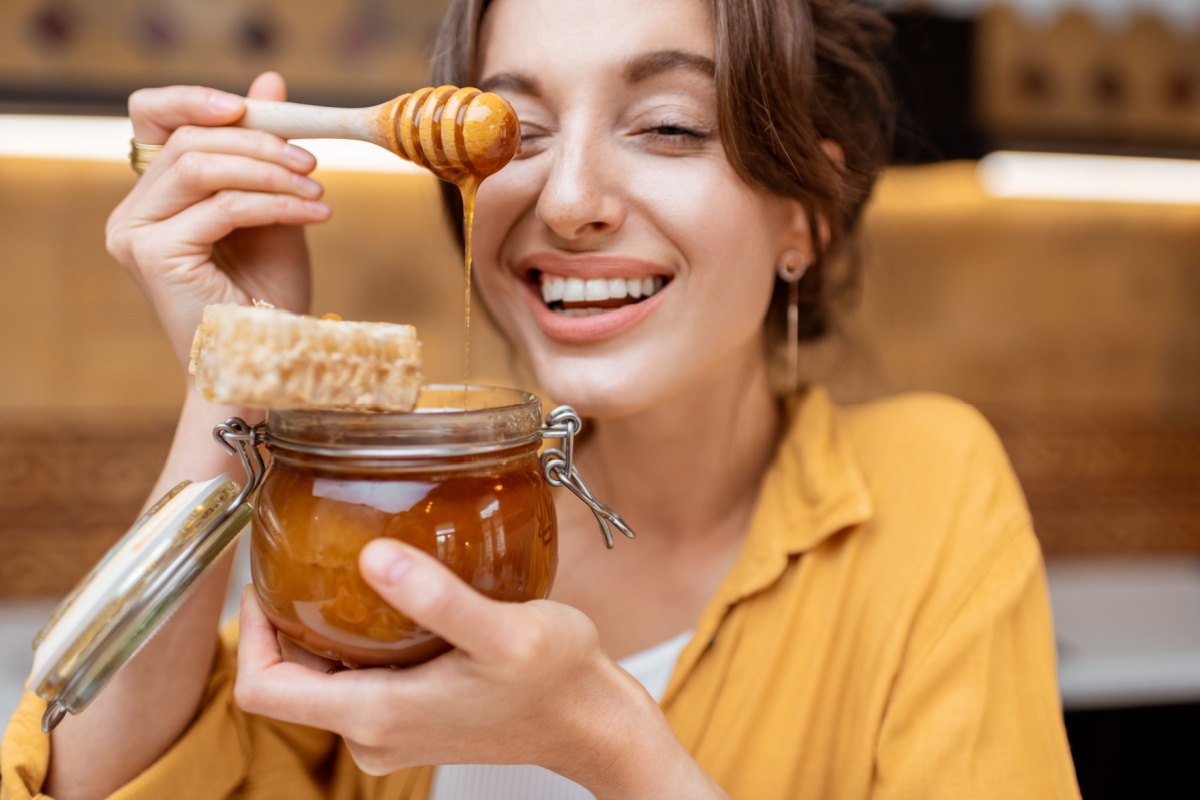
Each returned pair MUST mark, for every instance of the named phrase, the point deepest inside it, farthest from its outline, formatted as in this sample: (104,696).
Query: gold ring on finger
(140,155)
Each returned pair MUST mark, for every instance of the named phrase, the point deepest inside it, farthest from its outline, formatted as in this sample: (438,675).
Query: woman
(857,593)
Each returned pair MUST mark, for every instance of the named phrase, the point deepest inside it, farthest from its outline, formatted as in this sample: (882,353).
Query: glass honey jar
(465,477)
(465,486)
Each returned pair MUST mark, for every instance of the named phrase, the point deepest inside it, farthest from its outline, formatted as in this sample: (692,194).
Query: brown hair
(791,75)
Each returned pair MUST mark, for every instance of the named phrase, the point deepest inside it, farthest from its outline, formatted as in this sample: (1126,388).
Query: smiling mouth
(585,297)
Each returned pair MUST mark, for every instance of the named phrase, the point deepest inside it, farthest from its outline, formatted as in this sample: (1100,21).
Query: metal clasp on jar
(242,439)
(559,468)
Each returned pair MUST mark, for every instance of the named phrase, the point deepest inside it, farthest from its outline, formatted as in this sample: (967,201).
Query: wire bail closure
(558,466)
(242,439)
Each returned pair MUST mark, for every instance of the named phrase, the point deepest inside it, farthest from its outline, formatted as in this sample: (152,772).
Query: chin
(598,388)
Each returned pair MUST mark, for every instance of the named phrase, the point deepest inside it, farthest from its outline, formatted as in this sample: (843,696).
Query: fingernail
(307,186)
(297,157)
(389,562)
(224,103)
(320,209)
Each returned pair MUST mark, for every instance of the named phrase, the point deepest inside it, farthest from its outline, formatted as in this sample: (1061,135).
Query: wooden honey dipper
(484,136)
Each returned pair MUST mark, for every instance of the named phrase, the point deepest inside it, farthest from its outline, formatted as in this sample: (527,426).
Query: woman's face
(619,251)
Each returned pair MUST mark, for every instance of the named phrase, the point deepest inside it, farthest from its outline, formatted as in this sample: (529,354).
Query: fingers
(256,635)
(155,113)
(196,174)
(392,718)
(192,176)
(269,684)
(210,220)
(415,584)
(268,86)
(295,654)
(231,141)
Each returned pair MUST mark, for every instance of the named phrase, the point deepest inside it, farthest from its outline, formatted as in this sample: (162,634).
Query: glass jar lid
(134,589)
(130,593)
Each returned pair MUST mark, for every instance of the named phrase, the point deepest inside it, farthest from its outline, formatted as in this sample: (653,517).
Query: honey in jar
(463,484)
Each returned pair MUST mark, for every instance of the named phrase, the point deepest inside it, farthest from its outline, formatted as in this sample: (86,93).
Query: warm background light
(107,139)
(1100,179)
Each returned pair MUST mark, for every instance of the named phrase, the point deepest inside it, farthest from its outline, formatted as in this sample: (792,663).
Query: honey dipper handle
(299,121)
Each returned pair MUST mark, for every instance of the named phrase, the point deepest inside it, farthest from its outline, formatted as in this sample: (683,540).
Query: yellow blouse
(885,633)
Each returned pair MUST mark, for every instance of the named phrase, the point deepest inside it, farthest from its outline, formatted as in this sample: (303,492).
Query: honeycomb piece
(264,357)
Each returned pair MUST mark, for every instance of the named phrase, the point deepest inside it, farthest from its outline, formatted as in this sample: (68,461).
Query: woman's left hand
(526,684)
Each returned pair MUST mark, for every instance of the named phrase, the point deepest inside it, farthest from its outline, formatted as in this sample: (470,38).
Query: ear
(835,153)
(799,234)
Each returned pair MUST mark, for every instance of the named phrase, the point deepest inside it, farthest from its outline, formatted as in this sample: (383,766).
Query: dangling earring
(791,268)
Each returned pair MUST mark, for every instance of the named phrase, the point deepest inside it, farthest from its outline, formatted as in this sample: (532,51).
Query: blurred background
(1035,251)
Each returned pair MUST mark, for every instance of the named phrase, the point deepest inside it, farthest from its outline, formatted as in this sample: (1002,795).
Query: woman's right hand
(215,217)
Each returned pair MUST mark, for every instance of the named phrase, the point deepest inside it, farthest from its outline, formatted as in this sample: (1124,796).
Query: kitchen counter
(1128,630)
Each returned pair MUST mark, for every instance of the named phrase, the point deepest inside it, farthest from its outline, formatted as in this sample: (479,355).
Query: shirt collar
(812,489)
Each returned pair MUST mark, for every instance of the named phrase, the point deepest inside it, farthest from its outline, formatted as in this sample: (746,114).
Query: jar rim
(449,420)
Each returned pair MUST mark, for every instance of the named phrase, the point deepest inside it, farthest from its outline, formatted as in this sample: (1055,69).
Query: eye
(671,130)
(533,140)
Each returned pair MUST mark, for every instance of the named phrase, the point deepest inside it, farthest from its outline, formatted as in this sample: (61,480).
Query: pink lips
(585,330)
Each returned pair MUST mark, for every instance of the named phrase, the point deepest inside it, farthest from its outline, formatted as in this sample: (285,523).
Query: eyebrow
(649,65)
(637,69)
(512,82)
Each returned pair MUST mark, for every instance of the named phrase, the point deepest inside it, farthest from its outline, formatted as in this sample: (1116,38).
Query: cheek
(501,202)
(706,208)
(730,238)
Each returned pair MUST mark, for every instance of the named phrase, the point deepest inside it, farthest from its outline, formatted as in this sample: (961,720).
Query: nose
(580,202)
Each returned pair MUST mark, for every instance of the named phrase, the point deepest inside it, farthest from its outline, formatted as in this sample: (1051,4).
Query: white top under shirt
(652,668)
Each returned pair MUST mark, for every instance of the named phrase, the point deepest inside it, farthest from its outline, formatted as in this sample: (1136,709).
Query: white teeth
(580,312)
(573,291)
(552,288)
(595,289)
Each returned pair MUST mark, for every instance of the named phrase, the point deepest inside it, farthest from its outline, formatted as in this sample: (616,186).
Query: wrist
(630,751)
(198,410)
(194,455)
